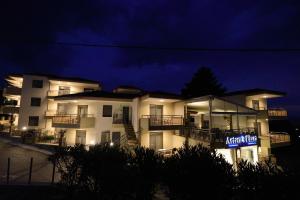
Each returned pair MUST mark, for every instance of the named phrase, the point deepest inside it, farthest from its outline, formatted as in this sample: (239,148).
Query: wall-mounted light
(161,100)
(24,128)
(92,142)
(265,97)
(111,144)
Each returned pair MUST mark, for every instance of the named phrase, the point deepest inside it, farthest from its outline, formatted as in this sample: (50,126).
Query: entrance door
(156,140)
(82,110)
(156,115)
(126,115)
(116,137)
(80,137)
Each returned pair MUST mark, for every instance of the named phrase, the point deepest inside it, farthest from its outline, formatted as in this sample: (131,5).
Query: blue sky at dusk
(30,28)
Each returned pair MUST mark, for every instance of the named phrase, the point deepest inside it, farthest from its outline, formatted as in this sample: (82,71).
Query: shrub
(194,172)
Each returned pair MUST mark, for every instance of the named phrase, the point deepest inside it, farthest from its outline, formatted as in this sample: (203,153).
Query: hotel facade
(236,125)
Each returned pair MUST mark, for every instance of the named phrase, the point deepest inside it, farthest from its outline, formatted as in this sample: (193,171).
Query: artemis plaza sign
(241,141)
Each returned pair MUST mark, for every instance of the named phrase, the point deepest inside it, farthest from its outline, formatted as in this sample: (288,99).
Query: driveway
(20,162)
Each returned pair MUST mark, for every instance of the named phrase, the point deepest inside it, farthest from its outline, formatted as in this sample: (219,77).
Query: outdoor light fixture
(265,97)
(111,144)
(24,128)
(161,100)
(92,142)
(75,101)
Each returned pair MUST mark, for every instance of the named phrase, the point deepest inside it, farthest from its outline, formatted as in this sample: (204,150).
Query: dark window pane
(107,110)
(37,83)
(105,137)
(33,121)
(35,101)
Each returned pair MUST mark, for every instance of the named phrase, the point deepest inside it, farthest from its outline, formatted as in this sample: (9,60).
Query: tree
(204,82)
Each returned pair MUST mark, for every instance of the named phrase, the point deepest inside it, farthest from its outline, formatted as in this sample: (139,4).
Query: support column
(237,118)
(210,123)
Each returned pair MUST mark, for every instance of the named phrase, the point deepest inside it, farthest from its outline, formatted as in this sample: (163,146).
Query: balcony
(12,91)
(163,122)
(279,139)
(73,121)
(11,110)
(54,93)
(277,113)
(222,138)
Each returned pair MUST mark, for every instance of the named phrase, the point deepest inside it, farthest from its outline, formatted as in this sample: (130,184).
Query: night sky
(30,29)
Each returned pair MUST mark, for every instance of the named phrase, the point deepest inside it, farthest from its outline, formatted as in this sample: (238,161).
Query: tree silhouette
(204,82)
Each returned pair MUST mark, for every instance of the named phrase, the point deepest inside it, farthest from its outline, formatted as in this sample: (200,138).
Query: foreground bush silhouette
(265,180)
(196,172)
(106,172)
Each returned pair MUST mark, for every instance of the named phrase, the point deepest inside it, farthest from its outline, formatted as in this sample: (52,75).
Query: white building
(236,125)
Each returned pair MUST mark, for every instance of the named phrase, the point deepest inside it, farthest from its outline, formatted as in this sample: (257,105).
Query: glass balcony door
(156,115)
(156,140)
(82,110)
(80,137)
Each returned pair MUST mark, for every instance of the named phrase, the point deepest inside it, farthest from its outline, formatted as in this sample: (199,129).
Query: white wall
(26,109)
(95,108)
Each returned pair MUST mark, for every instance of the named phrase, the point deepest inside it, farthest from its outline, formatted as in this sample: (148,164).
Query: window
(35,101)
(33,121)
(88,89)
(37,83)
(105,137)
(63,90)
(107,111)
(255,104)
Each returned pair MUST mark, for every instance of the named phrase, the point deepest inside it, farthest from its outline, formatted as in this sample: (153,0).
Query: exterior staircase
(131,137)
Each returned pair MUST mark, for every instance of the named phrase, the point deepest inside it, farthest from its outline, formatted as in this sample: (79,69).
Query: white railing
(53,93)
(277,138)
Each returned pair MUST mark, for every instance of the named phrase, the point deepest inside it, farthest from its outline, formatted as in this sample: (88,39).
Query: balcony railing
(164,122)
(217,137)
(53,93)
(260,108)
(11,110)
(277,112)
(12,91)
(280,139)
(73,121)
(10,103)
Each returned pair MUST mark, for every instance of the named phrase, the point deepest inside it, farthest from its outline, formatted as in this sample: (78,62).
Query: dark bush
(196,172)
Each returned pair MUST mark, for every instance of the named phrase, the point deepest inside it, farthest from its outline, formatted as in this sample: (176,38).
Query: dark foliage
(192,172)
(203,83)
(195,172)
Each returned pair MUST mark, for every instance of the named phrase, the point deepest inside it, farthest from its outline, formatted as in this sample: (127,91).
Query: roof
(255,91)
(97,94)
(163,95)
(113,95)
(59,78)
(128,87)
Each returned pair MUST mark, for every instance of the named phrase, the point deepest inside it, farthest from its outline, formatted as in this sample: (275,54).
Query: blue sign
(241,141)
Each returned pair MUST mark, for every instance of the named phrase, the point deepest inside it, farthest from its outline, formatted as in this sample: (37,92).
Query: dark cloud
(28,28)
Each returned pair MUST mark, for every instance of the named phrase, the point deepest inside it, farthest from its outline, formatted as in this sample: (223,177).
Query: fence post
(8,171)
(53,172)
(30,171)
